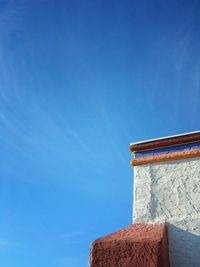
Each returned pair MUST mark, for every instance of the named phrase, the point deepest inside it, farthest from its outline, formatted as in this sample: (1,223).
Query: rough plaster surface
(138,245)
(170,192)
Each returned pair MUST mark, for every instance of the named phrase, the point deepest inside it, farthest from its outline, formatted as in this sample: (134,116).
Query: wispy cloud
(181,51)
(11,21)
(72,262)
(69,261)
(4,243)
(72,237)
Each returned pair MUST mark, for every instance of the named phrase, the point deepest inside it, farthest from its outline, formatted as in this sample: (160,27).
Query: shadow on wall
(184,247)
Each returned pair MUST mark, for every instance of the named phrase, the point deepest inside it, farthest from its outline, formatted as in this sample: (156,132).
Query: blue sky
(79,81)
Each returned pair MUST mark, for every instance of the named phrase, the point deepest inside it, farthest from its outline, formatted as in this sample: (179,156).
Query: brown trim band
(193,153)
(182,139)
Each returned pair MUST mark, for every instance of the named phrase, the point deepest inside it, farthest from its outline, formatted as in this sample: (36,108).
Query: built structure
(166,195)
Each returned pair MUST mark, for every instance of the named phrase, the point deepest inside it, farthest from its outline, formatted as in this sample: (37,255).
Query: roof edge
(166,141)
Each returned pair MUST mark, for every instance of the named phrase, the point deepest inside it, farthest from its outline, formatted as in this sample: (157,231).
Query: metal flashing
(168,141)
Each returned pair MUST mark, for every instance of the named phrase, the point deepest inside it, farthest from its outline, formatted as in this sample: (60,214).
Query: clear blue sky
(79,81)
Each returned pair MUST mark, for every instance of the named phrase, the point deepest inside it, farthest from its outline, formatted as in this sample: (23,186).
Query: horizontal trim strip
(160,138)
(182,139)
(166,150)
(193,153)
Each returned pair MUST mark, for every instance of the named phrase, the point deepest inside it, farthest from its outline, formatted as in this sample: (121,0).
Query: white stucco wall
(170,192)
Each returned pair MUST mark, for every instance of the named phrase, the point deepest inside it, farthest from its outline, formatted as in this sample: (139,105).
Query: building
(166,200)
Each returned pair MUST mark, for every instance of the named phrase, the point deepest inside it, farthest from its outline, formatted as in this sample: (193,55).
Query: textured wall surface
(138,245)
(170,192)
